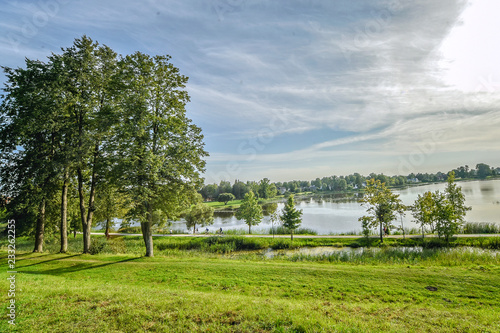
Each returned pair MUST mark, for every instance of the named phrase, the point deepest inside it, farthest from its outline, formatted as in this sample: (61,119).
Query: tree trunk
(90,212)
(147,234)
(107,228)
(291,235)
(194,228)
(249,229)
(81,194)
(40,227)
(381,235)
(64,213)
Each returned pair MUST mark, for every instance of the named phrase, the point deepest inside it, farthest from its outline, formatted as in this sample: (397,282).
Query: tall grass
(412,256)
(280,230)
(480,228)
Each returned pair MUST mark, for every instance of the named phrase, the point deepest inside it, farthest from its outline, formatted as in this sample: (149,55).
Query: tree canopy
(250,211)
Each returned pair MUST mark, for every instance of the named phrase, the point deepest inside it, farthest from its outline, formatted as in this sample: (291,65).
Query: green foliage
(97,246)
(442,212)
(381,204)
(199,214)
(424,211)
(225,197)
(483,171)
(291,217)
(250,211)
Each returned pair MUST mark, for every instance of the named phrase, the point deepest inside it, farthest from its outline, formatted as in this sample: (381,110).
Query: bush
(130,230)
(97,246)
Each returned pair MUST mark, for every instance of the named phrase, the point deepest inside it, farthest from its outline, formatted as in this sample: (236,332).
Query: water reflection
(339,213)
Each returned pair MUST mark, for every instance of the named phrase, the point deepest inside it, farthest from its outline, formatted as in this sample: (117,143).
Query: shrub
(97,246)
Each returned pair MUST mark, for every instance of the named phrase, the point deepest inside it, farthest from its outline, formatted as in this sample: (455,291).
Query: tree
(382,204)
(442,212)
(163,163)
(89,107)
(239,189)
(110,204)
(225,197)
(250,211)
(424,211)
(209,192)
(264,188)
(483,170)
(200,214)
(291,217)
(29,137)
(450,209)
(159,151)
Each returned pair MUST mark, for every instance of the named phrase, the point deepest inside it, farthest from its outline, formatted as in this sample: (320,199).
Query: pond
(334,214)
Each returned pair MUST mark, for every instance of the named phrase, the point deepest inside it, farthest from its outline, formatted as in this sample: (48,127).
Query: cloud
(331,81)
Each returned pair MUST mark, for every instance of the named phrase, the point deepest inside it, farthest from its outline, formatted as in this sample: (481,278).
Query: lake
(339,213)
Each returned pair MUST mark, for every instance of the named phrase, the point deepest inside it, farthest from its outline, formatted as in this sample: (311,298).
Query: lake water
(340,213)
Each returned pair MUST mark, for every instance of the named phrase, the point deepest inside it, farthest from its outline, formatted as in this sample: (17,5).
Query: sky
(300,89)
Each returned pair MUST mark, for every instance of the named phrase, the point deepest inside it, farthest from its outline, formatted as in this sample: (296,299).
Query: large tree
(29,137)
(159,151)
(382,206)
(250,211)
(89,77)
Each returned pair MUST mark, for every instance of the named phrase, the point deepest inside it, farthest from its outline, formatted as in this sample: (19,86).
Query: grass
(480,228)
(231,205)
(186,292)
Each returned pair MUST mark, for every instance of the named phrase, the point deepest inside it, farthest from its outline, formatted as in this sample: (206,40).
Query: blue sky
(304,89)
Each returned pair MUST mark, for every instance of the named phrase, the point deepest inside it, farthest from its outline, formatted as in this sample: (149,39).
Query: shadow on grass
(46,261)
(22,255)
(74,268)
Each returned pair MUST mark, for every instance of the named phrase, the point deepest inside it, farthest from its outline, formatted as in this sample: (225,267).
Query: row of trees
(251,212)
(102,134)
(263,189)
(440,212)
(266,189)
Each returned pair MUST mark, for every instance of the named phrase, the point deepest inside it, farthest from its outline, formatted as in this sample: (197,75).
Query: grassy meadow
(201,289)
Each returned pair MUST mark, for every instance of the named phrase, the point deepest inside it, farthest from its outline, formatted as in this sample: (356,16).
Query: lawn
(187,291)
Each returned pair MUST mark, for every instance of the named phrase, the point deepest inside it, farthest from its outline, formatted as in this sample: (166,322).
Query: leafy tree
(159,151)
(424,211)
(199,214)
(291,217)
(225,197)
(29,137)
(450,209)
(239,189)
(224,187)
(381,204)
(110,204)
(483,171)
(250,211)
(210,191)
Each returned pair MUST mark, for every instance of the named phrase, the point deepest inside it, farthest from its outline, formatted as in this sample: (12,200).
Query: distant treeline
(264,189)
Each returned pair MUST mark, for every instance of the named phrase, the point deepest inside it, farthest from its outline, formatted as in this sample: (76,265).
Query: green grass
(186,292)
(231,205)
